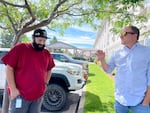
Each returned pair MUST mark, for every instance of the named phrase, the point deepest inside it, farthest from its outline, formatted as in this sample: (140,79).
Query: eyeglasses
(125,33)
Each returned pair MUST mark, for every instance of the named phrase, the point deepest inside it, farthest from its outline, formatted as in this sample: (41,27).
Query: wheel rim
(53,97)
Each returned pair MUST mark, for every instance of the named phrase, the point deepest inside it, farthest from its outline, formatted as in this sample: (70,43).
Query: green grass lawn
(99,97)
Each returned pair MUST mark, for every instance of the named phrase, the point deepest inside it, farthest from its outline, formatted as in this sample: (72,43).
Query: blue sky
(147,1)
(81,37)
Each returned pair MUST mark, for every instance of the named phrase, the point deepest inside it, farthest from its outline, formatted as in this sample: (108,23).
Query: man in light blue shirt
(132,79)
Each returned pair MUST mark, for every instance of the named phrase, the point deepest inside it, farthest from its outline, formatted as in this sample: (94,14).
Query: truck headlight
(73,71)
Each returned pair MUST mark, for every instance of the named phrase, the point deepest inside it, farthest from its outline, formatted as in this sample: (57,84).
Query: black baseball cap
(40,33)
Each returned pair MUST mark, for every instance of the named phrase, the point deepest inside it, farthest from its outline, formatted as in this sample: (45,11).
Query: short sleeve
(11,58)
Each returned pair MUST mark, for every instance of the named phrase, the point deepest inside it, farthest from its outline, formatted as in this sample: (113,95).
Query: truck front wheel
(55,97)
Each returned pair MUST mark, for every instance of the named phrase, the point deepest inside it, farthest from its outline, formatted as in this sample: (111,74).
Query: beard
(38,47)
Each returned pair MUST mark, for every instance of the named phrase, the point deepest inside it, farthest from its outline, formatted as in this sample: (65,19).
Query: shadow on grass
(89,75)
(95,105)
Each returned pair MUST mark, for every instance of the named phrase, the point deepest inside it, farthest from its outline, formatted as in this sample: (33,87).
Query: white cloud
(84,28)
(79,40)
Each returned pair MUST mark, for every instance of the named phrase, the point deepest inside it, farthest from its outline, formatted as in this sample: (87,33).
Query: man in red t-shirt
(28,70)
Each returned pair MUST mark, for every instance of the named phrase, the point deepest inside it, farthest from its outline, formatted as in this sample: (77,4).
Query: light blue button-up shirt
(132,74)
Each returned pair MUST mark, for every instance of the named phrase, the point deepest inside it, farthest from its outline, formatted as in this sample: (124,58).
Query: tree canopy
(21,16)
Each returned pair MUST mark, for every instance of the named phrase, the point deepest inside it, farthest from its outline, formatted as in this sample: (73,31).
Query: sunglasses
(125,33)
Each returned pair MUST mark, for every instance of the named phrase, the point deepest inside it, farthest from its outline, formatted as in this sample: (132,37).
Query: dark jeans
(26,106)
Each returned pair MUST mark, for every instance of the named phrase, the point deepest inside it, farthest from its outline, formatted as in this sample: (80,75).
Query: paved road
(72,103)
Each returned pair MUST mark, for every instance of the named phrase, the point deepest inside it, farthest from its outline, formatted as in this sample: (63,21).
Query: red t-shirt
(30,69)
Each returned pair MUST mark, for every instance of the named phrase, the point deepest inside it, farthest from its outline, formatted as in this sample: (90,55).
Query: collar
(134,46)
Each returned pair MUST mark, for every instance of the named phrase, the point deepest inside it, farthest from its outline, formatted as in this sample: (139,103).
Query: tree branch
(97,11)
(64,11)
(10,19)
(52,15)
(2,27)
(31,14)
(14,5)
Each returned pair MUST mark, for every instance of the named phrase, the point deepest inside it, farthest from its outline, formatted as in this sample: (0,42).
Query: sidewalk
(82,100)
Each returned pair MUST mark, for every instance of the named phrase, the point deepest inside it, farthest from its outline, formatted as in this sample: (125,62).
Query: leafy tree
(21,16)
(54,40)
(24,38)
(6,40)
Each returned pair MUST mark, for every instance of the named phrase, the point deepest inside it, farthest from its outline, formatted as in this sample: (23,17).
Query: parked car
(65,77)
(3,51)
(66,58)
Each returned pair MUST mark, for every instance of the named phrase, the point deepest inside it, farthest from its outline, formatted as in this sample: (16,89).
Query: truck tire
(55,97)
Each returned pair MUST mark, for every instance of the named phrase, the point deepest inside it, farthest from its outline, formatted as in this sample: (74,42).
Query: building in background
(108,41)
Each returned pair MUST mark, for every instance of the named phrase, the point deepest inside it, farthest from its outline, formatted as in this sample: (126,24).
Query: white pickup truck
(65,77)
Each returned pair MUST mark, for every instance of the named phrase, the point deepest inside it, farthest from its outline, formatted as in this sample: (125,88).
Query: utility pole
(5,104)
